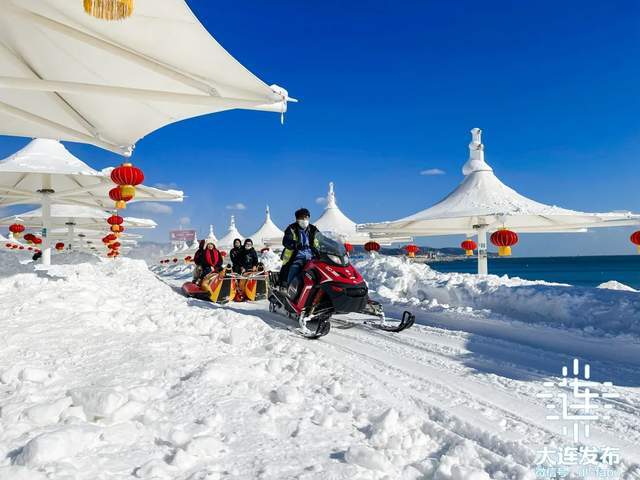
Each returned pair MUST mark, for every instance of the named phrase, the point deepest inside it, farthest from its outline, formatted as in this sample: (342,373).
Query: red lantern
(372,247)
(7,245)
(111,238)
(504,239)
(16,229)
(175,260)
(37,240)
(29,237)
(635,239)
(412,250)
(127,177)
(127,174)
(14,246)
(265,250)
(348,247)
(187,259)
(223,253)
(469,246)
(115,220)
(59,246)
(117,228)
(121,200)
(20,247)
(30,248)
(114,245)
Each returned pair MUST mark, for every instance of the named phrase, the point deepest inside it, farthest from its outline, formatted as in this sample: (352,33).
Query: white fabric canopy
(482,204)
(45,164)
(337,225)
(67,75)
(80,215)
(232,234)
(482,199)
(268,234)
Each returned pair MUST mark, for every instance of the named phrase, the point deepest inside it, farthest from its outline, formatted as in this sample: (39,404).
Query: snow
(399,281)
(108,372)
(615,285)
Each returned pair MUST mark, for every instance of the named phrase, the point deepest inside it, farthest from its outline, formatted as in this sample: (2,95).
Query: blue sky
(390,89)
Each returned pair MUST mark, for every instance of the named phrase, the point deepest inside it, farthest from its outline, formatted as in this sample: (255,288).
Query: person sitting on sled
(236,256)
(300,244)
(210,260)
(197,270)
(248,257)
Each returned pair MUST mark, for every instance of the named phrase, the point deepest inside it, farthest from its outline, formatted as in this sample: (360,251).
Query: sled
(215,287)
(252,286)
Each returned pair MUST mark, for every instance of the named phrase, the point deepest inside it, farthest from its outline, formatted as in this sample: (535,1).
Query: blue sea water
(582,271)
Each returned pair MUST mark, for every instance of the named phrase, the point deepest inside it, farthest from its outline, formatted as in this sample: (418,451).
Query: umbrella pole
(70,232)
(483,267)
(46,225)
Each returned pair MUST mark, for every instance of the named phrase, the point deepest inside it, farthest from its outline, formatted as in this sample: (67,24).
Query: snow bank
(615,285)
(395,280)
(107,369)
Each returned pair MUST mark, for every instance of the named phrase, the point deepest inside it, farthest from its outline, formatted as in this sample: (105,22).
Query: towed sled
(226,286)
(328,285)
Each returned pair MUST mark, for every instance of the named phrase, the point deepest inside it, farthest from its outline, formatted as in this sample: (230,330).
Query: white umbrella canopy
(482,203)
(44,172)
(89,218)
(46,166)
(336,224)
(67,75)
(268,234)
(232,234)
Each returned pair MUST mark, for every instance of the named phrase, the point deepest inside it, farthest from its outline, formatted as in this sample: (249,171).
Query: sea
(587,271)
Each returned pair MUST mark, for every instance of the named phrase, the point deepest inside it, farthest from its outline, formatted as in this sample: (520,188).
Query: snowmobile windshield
(332,250)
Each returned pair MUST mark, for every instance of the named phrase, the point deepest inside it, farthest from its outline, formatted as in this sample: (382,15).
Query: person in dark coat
(248,257)
(300,244)
(210,260)
(197,270)
(236,253)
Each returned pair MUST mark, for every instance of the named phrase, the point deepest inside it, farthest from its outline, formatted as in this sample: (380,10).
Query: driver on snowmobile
(300,244)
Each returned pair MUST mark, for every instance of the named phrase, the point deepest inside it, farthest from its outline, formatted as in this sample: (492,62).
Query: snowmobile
(328,285)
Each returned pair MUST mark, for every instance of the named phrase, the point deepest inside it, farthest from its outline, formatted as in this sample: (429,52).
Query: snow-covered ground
(108,372)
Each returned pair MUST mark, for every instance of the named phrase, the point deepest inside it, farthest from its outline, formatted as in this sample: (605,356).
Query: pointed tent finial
(232,225)
(211,230)
(268,213)
(331,197)
(476,161)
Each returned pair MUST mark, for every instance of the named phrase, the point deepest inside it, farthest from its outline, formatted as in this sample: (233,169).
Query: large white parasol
(69,76)
(336,224)
(44,172)
(482,204)
(72,217)
(268,234)
(232,234)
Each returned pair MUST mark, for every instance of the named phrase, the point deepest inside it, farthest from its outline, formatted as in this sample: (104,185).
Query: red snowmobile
(327,286)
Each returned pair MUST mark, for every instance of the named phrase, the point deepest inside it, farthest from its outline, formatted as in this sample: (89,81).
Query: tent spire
(232,225)
(331,197)
(268,213)
(476,161)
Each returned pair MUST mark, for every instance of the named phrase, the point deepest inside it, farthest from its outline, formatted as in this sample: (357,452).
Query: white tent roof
(482,199)
(211,237)
(268,234)
(232,234)
(69,76)
(336,224)
(80,215)
(47,164)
